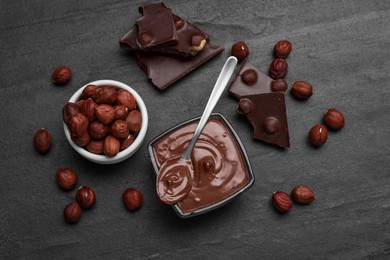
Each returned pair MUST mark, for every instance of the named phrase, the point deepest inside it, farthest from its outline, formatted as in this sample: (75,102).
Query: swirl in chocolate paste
(219,167)
(174,180)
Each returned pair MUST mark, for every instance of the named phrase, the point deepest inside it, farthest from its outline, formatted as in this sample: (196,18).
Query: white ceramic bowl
(122,155)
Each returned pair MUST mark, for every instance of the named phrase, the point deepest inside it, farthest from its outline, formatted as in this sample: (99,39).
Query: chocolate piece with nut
(191,40)
(155,27)
(267,114)
(250,81)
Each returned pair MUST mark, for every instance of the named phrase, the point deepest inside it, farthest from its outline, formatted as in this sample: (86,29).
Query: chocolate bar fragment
(267,114)
(165,69)
(129,41)
(155,27)
(186,34)
(249,81)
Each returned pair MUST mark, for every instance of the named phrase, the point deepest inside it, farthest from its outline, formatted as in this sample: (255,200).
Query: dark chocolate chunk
(246,82)
(165,69)
(186,34)
(129,40)
(267,114)
(156,26)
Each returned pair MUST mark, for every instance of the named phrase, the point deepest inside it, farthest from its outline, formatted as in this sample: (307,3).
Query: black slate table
(340,47)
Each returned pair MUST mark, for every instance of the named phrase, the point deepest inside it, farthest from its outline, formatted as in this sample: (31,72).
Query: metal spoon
(219,87)
(174,180)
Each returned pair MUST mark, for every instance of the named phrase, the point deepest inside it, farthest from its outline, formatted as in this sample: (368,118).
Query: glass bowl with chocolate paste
(219,171)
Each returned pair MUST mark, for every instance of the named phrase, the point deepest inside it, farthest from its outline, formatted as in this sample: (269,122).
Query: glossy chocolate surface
(267,114)
(242,87)
(165,69)
(220,168)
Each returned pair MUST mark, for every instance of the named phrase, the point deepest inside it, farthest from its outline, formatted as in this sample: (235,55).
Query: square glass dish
(220,166)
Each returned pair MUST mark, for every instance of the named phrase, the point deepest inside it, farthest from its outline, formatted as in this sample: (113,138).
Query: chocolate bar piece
(129,40)
(185,32)
(250,81)
(155,27)
(267,114)
(165,69)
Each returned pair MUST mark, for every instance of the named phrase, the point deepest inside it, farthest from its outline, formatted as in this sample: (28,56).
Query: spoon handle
(220,85)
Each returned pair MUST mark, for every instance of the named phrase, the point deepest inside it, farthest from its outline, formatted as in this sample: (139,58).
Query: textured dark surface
(340,47)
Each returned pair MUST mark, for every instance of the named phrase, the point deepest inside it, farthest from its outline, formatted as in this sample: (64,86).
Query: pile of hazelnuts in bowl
(105,121)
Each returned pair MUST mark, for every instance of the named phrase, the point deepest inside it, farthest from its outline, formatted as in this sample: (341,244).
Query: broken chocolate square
(250,81)
(156,26)
(185,31)
(267,114)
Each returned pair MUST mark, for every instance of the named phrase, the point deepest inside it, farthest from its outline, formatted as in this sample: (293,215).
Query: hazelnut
(278,69)
(111,146)
(249,77)
(61,75)
(145,38)
(179,23)
(69,110)
(279,85)
(42,140)
(282,49)
(132,198)
(271,125)
(334,119)
(126,142)
(318,135)
(97,130)
(105,113)
(121,111)
(81,140)
(240,50)
(80,102)
(281,201)
(127,99)
(198,42)
(78,125)
(302,194)
(95,146)
(72,213)
(88,91)
(105,94)
(302,90)
(134,120)
(245,106)
(87,108)
(119,129)
(66,178)
(85,197)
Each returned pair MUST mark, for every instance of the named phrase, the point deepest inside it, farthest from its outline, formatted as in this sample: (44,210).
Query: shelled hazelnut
(42,140)
(278,69)
(85,197)
(334,119)
(66,178)
(302,194)
(72,213)
(61,75)
(318,135)
(302,90)
(240,50)
(282,49)
(132,198)
(281,201)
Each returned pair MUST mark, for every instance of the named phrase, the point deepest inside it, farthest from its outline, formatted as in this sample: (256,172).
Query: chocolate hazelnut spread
(218,166)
